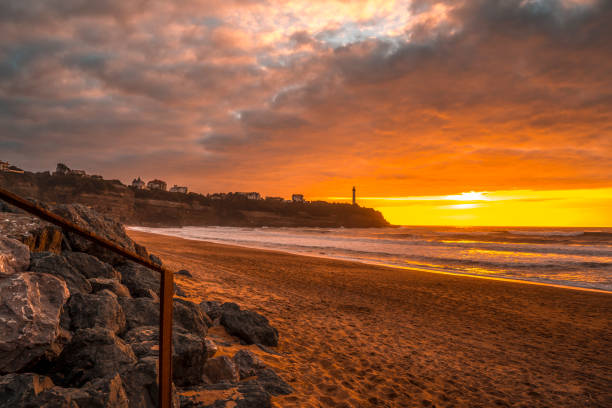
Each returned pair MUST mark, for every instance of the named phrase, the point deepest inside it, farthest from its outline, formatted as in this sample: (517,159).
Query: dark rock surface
(92,353)
(139,279)
(272,383)
(140,311)
(79,328)
(17,390)
(14,256)
(99,225)
(212,309)
(90,266)
(58,265)
(188,358)
(248,326)
(113,285)
(30,308)
(221,369)
(247,363)
(189,316)
(37,235)
(103,393)
(96,310)
(188,352)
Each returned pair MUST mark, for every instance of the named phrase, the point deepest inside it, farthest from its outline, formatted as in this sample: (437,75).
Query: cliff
(165,209)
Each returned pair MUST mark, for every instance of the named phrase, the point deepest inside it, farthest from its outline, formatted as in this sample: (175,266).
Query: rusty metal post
(166,286)
(166,290)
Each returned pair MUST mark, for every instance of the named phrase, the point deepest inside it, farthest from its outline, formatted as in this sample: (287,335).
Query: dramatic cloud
(399,97)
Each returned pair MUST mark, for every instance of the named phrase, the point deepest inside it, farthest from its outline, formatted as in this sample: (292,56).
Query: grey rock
(57,397)
(30,308)
(36,234)
(58,265)
(212,309)
(188,355)
(221,369)
(248,326)
(92,353)
(17,390)
(90,266)
(103,393)
(98,224)
(144,341)
(113,285)
(139,279)
(272,383)
(188,358)
(140,383)
(189,316)
(140,311)
(96,310)
(247,363)
(14,256)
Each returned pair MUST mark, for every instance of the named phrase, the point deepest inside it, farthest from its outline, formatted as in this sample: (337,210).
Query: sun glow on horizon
(549,208)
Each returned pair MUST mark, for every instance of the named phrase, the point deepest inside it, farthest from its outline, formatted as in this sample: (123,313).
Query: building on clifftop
(157,185)
(297,198)
(138,184)
(250,196)
(61,170)
(178,189)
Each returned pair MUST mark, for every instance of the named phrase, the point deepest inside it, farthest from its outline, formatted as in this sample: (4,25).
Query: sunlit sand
(355,335)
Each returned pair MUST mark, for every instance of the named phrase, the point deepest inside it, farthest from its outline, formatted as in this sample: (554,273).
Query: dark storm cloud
(473,93)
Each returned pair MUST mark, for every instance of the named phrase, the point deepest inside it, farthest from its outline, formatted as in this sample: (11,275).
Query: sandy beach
(355,335)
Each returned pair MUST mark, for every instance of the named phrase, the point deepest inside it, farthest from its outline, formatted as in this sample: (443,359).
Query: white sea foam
(569,256)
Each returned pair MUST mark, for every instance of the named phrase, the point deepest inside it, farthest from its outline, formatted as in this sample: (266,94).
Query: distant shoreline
(141,229)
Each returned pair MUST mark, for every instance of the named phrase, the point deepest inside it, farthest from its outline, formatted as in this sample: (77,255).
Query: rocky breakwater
(80,327)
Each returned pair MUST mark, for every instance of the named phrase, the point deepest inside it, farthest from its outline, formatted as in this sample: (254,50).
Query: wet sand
(354,335)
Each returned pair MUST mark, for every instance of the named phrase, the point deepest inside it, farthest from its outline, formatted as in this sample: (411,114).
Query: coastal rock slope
(80,326)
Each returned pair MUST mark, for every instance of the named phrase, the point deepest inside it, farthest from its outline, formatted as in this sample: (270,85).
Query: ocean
(577,257)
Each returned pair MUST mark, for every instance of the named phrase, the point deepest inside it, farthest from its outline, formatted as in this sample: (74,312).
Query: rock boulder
(249,326)
(139,279)
(90,266)
(14,256)
(92,353)
(221,369)
(113,285)
(99,225)
(96,310)
(30,308)
(58,265)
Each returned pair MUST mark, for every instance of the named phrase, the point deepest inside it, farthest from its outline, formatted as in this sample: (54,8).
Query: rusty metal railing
(166,286)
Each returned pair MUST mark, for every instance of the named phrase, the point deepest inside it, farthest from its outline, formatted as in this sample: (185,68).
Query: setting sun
(569,208)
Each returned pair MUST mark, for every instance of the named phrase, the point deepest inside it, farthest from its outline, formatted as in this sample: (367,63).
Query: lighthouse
(354,201)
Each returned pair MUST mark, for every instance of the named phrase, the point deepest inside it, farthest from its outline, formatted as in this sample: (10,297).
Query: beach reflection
(573,257)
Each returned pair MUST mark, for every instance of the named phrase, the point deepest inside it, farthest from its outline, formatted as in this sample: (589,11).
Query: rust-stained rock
(36,234)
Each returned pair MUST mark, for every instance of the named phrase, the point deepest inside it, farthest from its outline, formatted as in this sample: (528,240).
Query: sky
(410,101)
